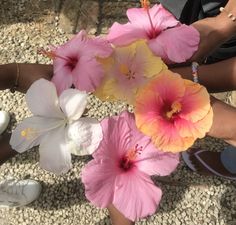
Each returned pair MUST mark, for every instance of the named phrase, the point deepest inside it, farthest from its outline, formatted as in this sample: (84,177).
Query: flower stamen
(146,5)
(127,72)
(175,108)
(127,162)
(51,54)
(28,133)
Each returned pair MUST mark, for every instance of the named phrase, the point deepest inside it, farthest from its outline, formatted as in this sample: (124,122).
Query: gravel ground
(189,199)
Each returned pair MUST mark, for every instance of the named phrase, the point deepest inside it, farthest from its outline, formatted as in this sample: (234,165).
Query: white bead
(222,9)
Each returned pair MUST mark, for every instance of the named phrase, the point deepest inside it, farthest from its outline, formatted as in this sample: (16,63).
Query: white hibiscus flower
(56,126)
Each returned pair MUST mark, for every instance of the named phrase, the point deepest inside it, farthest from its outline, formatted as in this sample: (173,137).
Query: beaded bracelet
(230,15)
(16,84)
(195,66)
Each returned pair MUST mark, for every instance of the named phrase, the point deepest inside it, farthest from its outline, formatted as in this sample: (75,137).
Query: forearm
(28,73)
(117,218)
(217,77)
(215,31)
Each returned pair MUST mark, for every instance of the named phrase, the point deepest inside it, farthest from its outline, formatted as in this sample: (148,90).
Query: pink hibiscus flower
(120,172)
(75,62)
(166,36)
(174,112)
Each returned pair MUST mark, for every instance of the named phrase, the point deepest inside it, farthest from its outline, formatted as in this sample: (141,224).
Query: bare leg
(117,217)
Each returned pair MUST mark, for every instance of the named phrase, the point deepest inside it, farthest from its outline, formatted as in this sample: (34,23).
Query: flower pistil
(145,4)
(71,61)
(175,108)
(127,162)
(127,72)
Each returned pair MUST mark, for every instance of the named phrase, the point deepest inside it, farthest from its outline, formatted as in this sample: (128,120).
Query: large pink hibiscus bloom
(75,62)
(120,172)
(173,111)
(166,36)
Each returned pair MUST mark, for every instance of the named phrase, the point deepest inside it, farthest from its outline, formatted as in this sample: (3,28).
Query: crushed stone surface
(188,198)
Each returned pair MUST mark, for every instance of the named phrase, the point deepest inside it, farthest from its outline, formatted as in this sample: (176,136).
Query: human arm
(28,73)
(217,77)
(214,31)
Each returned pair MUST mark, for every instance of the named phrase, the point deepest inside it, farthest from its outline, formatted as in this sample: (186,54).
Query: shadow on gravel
(61,195)
(15,11)
(228,205)
(105,221)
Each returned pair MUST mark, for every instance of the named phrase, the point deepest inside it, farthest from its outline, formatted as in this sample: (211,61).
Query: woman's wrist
(225,26)
(214,31)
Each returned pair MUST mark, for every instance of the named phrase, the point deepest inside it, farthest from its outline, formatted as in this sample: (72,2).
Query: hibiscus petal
(151,65)
(55,153)
(168,139)
(62,77)
(170,43)
(154,162)
(198,129)
(88,74)
(166,87)
(125,34)
(42,99)
(161,18)
(86,134)
(30,132)
(141,196)
(99,46)
(195,102)
(116,138)
(138,17)
(99,180)
(73,47)
(73,103)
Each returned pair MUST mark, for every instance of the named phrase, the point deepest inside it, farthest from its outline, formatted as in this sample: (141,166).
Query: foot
(207,163)
(4,121)
(15,193)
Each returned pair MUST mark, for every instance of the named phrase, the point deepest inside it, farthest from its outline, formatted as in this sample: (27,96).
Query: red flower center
(171,111)
(71,63)
(153,32)
(127,162)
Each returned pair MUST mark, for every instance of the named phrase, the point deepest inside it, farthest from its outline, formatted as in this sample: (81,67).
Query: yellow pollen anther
(175,108)
(28,133)
(131,155)
(23,133)
(145,4)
